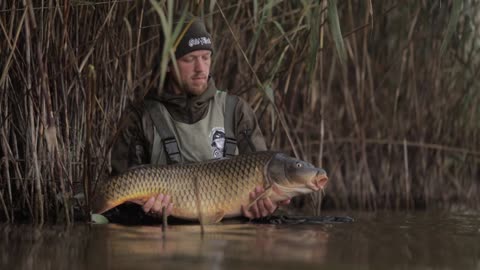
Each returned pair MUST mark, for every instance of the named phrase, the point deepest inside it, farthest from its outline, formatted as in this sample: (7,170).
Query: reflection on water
(417,240)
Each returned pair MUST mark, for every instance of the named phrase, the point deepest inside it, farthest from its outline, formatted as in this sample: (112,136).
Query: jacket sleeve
(130,146)
(247,131)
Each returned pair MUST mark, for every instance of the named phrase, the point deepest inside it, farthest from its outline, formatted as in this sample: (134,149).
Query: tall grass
(382,94)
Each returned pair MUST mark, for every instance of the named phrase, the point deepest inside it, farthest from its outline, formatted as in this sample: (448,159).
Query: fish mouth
(318,182)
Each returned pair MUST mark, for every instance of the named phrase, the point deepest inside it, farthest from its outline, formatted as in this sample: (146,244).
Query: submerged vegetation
(383,94)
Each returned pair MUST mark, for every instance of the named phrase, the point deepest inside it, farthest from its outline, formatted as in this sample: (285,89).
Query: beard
(190,87)
(197,89)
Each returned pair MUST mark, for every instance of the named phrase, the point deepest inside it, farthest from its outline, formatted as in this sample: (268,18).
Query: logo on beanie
(199,41)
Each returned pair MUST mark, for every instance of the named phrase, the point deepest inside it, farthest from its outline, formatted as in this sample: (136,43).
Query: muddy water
(415,240)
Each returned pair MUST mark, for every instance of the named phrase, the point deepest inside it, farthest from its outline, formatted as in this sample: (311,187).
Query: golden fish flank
(222,186)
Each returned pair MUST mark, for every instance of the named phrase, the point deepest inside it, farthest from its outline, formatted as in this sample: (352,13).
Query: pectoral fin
(213,218)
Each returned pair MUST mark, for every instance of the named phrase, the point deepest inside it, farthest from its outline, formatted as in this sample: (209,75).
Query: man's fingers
(254,209)
(269,206)
(167,199)
(259,190)
(162,201)
(261,207)
(253,195)
(246,213)
(169,209)
(157,206)
(167,204)
(263,210)
(285,202)
(148,205)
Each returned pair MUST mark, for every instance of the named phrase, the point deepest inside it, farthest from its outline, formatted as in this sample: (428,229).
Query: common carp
(217,188)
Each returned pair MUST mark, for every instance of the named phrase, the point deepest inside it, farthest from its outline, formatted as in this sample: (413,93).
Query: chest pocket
(211,137)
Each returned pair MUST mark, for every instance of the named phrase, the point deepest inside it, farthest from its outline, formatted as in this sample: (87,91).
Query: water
(415,240)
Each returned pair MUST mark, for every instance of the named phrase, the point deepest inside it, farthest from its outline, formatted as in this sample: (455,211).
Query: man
(189,121)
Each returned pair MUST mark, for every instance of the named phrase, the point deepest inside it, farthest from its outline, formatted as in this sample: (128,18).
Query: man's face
(193,69)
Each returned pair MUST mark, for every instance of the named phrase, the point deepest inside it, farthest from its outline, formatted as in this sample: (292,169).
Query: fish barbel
(217,188)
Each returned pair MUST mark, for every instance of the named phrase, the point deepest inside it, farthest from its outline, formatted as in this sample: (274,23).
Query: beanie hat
(194,36)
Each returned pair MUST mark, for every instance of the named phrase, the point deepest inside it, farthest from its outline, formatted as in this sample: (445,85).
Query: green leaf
(271,96)
(99,219)
(274,72)
(280,28)
(334,24)
(313,19)
(269,93)
(170,35)
(452,23)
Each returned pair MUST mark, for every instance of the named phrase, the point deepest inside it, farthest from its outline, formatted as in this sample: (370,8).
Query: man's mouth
(199,78)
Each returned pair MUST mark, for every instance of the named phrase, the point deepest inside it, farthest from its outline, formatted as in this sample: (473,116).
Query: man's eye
(187,59)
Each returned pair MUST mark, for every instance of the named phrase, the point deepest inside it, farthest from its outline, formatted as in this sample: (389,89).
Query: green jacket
(134,144)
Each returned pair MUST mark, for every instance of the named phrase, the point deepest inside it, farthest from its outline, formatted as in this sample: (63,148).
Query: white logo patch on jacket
(217,137)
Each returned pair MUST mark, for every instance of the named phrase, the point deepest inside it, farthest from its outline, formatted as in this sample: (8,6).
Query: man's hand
(154,205)
(263,207)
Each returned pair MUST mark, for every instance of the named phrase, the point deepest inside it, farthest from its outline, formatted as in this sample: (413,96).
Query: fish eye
(299,165)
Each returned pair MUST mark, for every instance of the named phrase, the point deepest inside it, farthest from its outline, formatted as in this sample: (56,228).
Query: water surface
(386,240)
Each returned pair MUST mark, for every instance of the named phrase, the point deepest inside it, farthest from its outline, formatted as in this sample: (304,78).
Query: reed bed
(382,94)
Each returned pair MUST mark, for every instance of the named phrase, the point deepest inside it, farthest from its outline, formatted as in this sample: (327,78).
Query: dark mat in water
(131,214)
(303,220)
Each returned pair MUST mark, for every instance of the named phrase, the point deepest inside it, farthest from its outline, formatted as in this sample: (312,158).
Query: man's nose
(200,65)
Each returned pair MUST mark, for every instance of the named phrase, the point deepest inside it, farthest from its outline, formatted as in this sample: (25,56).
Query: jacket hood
(184,108)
